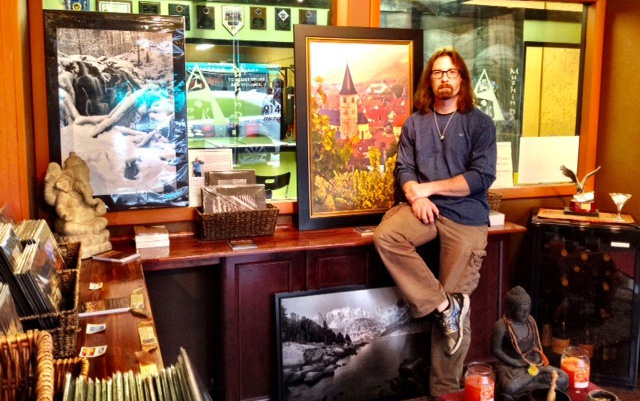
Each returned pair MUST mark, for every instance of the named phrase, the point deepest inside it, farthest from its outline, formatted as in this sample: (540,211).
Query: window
(527,61)
(240,76)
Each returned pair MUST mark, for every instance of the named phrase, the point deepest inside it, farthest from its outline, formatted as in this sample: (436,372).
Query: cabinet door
(586,278)
(249,284)
(487,300)
(342,266)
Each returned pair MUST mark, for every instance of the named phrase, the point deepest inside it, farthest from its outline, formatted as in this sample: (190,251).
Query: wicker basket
(26,367)
(248,223)
(66,320)
(78,367)
(494,199)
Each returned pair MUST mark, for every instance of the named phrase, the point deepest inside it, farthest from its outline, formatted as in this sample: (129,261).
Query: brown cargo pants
(461,254)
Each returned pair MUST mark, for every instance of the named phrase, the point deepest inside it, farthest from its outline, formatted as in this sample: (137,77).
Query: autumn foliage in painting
(336,185)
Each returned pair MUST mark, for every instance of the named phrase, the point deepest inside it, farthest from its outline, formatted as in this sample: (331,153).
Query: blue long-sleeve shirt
(468,148)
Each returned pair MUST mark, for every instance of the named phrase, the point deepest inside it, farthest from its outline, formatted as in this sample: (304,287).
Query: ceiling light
(204,46)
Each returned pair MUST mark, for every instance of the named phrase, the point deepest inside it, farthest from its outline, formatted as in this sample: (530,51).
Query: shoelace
(448,319)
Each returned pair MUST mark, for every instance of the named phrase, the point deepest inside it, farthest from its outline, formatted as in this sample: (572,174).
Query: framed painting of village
(116,95)
(354,90)
(329,339)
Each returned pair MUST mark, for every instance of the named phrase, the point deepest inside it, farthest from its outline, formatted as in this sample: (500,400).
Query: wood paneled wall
(619,138)
(16,144)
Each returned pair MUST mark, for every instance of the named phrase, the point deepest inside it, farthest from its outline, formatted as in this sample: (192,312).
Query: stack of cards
(31,275)
(9,321)
(152,241)
(176,383)
(30,231)
(231,191)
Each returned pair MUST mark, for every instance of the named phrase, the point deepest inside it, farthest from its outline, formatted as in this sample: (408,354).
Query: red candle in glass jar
(575,362)
(479,382)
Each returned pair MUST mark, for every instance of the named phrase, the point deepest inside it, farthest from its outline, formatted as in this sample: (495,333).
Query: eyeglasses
(452,73)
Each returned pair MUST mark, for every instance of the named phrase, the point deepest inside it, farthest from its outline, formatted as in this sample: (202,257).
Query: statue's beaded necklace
(537,345)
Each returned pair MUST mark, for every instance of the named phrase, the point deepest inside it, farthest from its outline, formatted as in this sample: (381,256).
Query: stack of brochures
(152,241)
(231,191)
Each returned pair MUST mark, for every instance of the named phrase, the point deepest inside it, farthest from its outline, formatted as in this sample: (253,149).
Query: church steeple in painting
(348,106)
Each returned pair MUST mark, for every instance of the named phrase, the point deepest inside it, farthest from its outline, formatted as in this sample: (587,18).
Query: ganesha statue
(80,218)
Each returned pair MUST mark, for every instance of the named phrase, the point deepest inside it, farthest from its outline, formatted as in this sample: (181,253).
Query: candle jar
(575,362)
(479,382)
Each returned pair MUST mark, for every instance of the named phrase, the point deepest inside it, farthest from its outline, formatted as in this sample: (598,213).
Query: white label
(620,244)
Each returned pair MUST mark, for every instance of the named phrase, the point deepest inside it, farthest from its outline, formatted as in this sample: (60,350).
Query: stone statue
(522,366)
(79,214)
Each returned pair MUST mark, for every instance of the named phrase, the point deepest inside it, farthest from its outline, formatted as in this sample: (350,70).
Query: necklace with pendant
(441,133)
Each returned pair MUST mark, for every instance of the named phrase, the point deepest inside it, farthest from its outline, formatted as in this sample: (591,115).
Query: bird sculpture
(579,184)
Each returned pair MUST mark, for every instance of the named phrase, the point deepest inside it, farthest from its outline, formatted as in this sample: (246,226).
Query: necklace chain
(537,346)
(441,133)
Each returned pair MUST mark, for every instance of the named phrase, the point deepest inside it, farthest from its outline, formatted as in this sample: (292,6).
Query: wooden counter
(188,251)
(219,304)
(121,334)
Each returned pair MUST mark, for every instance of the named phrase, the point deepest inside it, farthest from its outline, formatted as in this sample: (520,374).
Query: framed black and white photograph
(328,340)
(116,94)
(147,7)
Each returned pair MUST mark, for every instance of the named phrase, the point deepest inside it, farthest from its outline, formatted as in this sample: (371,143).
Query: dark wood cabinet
(298,261)
(248,328)
(249,285)
(585,277)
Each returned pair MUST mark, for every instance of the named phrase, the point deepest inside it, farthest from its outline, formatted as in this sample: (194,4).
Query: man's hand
(413,191)
(425,210)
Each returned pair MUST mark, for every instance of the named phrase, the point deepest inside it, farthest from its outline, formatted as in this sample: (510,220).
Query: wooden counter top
(121,334)
(189,251)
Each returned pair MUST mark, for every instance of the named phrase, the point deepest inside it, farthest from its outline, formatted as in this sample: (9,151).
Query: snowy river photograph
(120,108)
(330,340)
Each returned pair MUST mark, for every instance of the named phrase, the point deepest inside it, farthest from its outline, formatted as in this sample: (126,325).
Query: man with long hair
(446,162)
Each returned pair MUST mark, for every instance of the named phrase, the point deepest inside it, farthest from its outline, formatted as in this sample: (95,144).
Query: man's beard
(444,91)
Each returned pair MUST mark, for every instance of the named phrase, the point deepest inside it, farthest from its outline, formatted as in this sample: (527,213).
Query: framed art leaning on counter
(350,113)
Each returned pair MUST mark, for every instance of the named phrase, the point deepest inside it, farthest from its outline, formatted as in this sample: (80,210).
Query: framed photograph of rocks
(116,95)
(350,114)
(328,340)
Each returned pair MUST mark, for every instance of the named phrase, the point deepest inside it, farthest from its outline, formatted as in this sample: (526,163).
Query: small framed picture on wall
(115,6)
(146,7)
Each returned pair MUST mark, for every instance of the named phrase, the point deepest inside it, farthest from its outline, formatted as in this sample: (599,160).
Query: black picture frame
(354,334)
(137,159)
(148,7)
(183,10)
(317,207)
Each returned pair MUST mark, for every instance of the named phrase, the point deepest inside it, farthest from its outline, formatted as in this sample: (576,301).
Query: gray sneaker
(452,319)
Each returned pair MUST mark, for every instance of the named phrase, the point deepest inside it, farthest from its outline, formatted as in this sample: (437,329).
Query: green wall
(220,32)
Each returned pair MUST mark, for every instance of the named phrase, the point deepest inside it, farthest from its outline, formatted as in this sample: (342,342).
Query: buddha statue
(515,342)
(79,214)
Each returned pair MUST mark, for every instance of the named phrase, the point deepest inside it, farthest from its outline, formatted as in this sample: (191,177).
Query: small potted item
(602,395)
